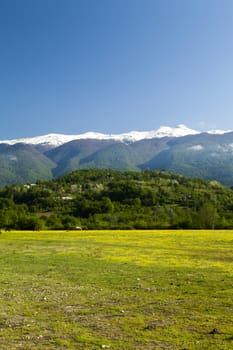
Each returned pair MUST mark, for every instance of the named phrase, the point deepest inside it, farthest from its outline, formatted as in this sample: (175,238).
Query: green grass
(116,290)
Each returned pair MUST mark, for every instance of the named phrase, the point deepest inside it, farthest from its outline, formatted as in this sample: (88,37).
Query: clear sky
(112,66)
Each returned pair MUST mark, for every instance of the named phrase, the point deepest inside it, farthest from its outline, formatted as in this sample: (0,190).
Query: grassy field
(116,290)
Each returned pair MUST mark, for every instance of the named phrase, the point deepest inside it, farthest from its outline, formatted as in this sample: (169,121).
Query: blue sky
(112,66)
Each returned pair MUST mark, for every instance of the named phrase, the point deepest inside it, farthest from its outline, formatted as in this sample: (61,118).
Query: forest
(111,199)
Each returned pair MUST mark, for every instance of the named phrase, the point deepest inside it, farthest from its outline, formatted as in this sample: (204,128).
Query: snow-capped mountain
(208,155)
(56,140)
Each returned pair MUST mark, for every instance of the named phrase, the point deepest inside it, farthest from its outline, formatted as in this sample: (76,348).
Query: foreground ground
(116,290)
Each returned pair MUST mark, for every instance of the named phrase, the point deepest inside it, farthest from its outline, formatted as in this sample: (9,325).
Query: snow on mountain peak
(50,140)
(55,140)
(218,132)
(179,130)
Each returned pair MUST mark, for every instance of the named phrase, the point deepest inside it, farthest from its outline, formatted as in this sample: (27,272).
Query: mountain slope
(71,155)
(22,164)
(206,155)
(86,154)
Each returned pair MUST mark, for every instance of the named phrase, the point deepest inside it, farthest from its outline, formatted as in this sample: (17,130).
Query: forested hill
(108,199)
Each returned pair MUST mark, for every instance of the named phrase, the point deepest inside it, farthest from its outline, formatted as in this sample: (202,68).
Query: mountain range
(207,155)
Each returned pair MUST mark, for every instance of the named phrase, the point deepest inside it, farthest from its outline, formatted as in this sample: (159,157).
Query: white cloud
(13,158)
(196,148)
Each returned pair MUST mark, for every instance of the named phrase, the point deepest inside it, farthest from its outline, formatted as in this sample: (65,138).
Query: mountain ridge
(206,155)
(56,139)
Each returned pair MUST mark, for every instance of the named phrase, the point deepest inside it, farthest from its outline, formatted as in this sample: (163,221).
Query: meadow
(116,290)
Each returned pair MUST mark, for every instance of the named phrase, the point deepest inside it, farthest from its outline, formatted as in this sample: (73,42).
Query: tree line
(108,199)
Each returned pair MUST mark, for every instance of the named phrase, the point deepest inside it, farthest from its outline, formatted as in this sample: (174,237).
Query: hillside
(108,199)
(21,163)
(203,155)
